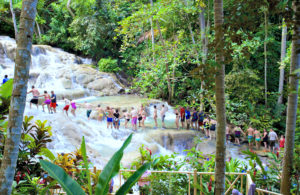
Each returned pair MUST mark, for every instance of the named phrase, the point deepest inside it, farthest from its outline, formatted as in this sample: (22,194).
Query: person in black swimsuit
(265,139)
(116,119)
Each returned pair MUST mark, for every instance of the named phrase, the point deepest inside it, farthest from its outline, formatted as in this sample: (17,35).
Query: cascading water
(74,77)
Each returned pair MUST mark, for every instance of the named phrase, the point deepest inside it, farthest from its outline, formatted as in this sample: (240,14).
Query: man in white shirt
(273,138)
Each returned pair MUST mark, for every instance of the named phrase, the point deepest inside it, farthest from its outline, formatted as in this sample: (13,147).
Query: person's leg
(43,104)
(48,106)
(30,105)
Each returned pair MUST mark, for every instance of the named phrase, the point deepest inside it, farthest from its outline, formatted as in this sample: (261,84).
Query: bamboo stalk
(242,187)
(201,185)
(189,193)
(230,187)
(195,182)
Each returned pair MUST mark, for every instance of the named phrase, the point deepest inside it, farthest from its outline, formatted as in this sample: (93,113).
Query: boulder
(67,83)
(101,84)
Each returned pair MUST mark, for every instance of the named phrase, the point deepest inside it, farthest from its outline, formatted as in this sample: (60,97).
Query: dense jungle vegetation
(167,49)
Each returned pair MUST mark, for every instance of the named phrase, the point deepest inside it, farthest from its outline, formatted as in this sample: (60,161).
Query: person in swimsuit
(53,102)
(237,134)
(163,115)
(47,101)
(140,117)
(177,119)
(182,116)
(257,139)
(134,116)
(73,107)
(127,117)
(195,120)
(200,121)
(116,119)
(35,98)
(109,117)
(206,126)
(5,79)
(144,114)
(88,107)
(67,105)
(188,118)
(265,139)
(250,132)
(100,113)
(155,115)
(212,128)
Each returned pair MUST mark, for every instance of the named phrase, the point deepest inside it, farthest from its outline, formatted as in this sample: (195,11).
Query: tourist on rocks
(212,128)
(88,107)
(188,118)
(35,98)
(265,139)
(257,139)
(116,119)
(100,113)
(195,120)
(281,142)
(177,119)
(73,107)
(155,115)
(250,132)
(53,102)
(200,121)
(127,117)
(206,122)
(140,117)
(47,101)
(273,138)
(144,115)
(163,111)
(237,135)
(67,105)
(182,116)
(5,79)
(134,116)
(109,117)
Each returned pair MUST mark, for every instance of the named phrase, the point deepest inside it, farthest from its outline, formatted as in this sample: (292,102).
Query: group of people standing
(268,139)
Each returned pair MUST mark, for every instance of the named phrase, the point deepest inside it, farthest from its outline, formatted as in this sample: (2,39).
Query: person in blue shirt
(188,118)
(5,79)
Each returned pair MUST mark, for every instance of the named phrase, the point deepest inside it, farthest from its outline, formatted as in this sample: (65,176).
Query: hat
(236,192)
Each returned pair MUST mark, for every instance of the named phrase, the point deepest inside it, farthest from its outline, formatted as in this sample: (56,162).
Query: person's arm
(29,92)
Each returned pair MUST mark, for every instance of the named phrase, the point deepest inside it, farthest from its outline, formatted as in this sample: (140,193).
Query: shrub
(108,65)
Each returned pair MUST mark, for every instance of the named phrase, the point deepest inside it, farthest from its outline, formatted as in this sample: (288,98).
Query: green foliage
(111,169)
(108,65)
(86,165)
(56,172)
(5,94)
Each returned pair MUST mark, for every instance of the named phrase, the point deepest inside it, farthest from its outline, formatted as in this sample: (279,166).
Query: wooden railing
(195,174)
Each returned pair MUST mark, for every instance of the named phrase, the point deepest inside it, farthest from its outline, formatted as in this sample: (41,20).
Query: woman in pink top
(47,101)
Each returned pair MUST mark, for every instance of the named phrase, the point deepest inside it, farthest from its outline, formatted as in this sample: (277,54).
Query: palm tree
(18,98)
(292,104)
(220,99)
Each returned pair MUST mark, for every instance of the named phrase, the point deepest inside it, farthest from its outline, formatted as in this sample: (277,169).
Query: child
(281,142)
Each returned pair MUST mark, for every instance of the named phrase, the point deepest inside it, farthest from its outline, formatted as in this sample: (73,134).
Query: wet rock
(67,83)
(36,50)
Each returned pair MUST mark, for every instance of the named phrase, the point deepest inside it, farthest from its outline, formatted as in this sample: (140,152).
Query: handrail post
(242,187)
(189,193)
(201,184)
(195,181)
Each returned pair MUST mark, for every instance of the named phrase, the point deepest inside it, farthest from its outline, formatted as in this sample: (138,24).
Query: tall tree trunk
(266,59)
(283,52)
(17,105)
(69,8)
(13,18)
(204,51)
(220,99)
(292,105)
(38,30)
(167,66)
(152,34)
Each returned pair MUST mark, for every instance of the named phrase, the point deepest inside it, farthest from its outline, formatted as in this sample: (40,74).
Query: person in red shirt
(182,116)
(281,142)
